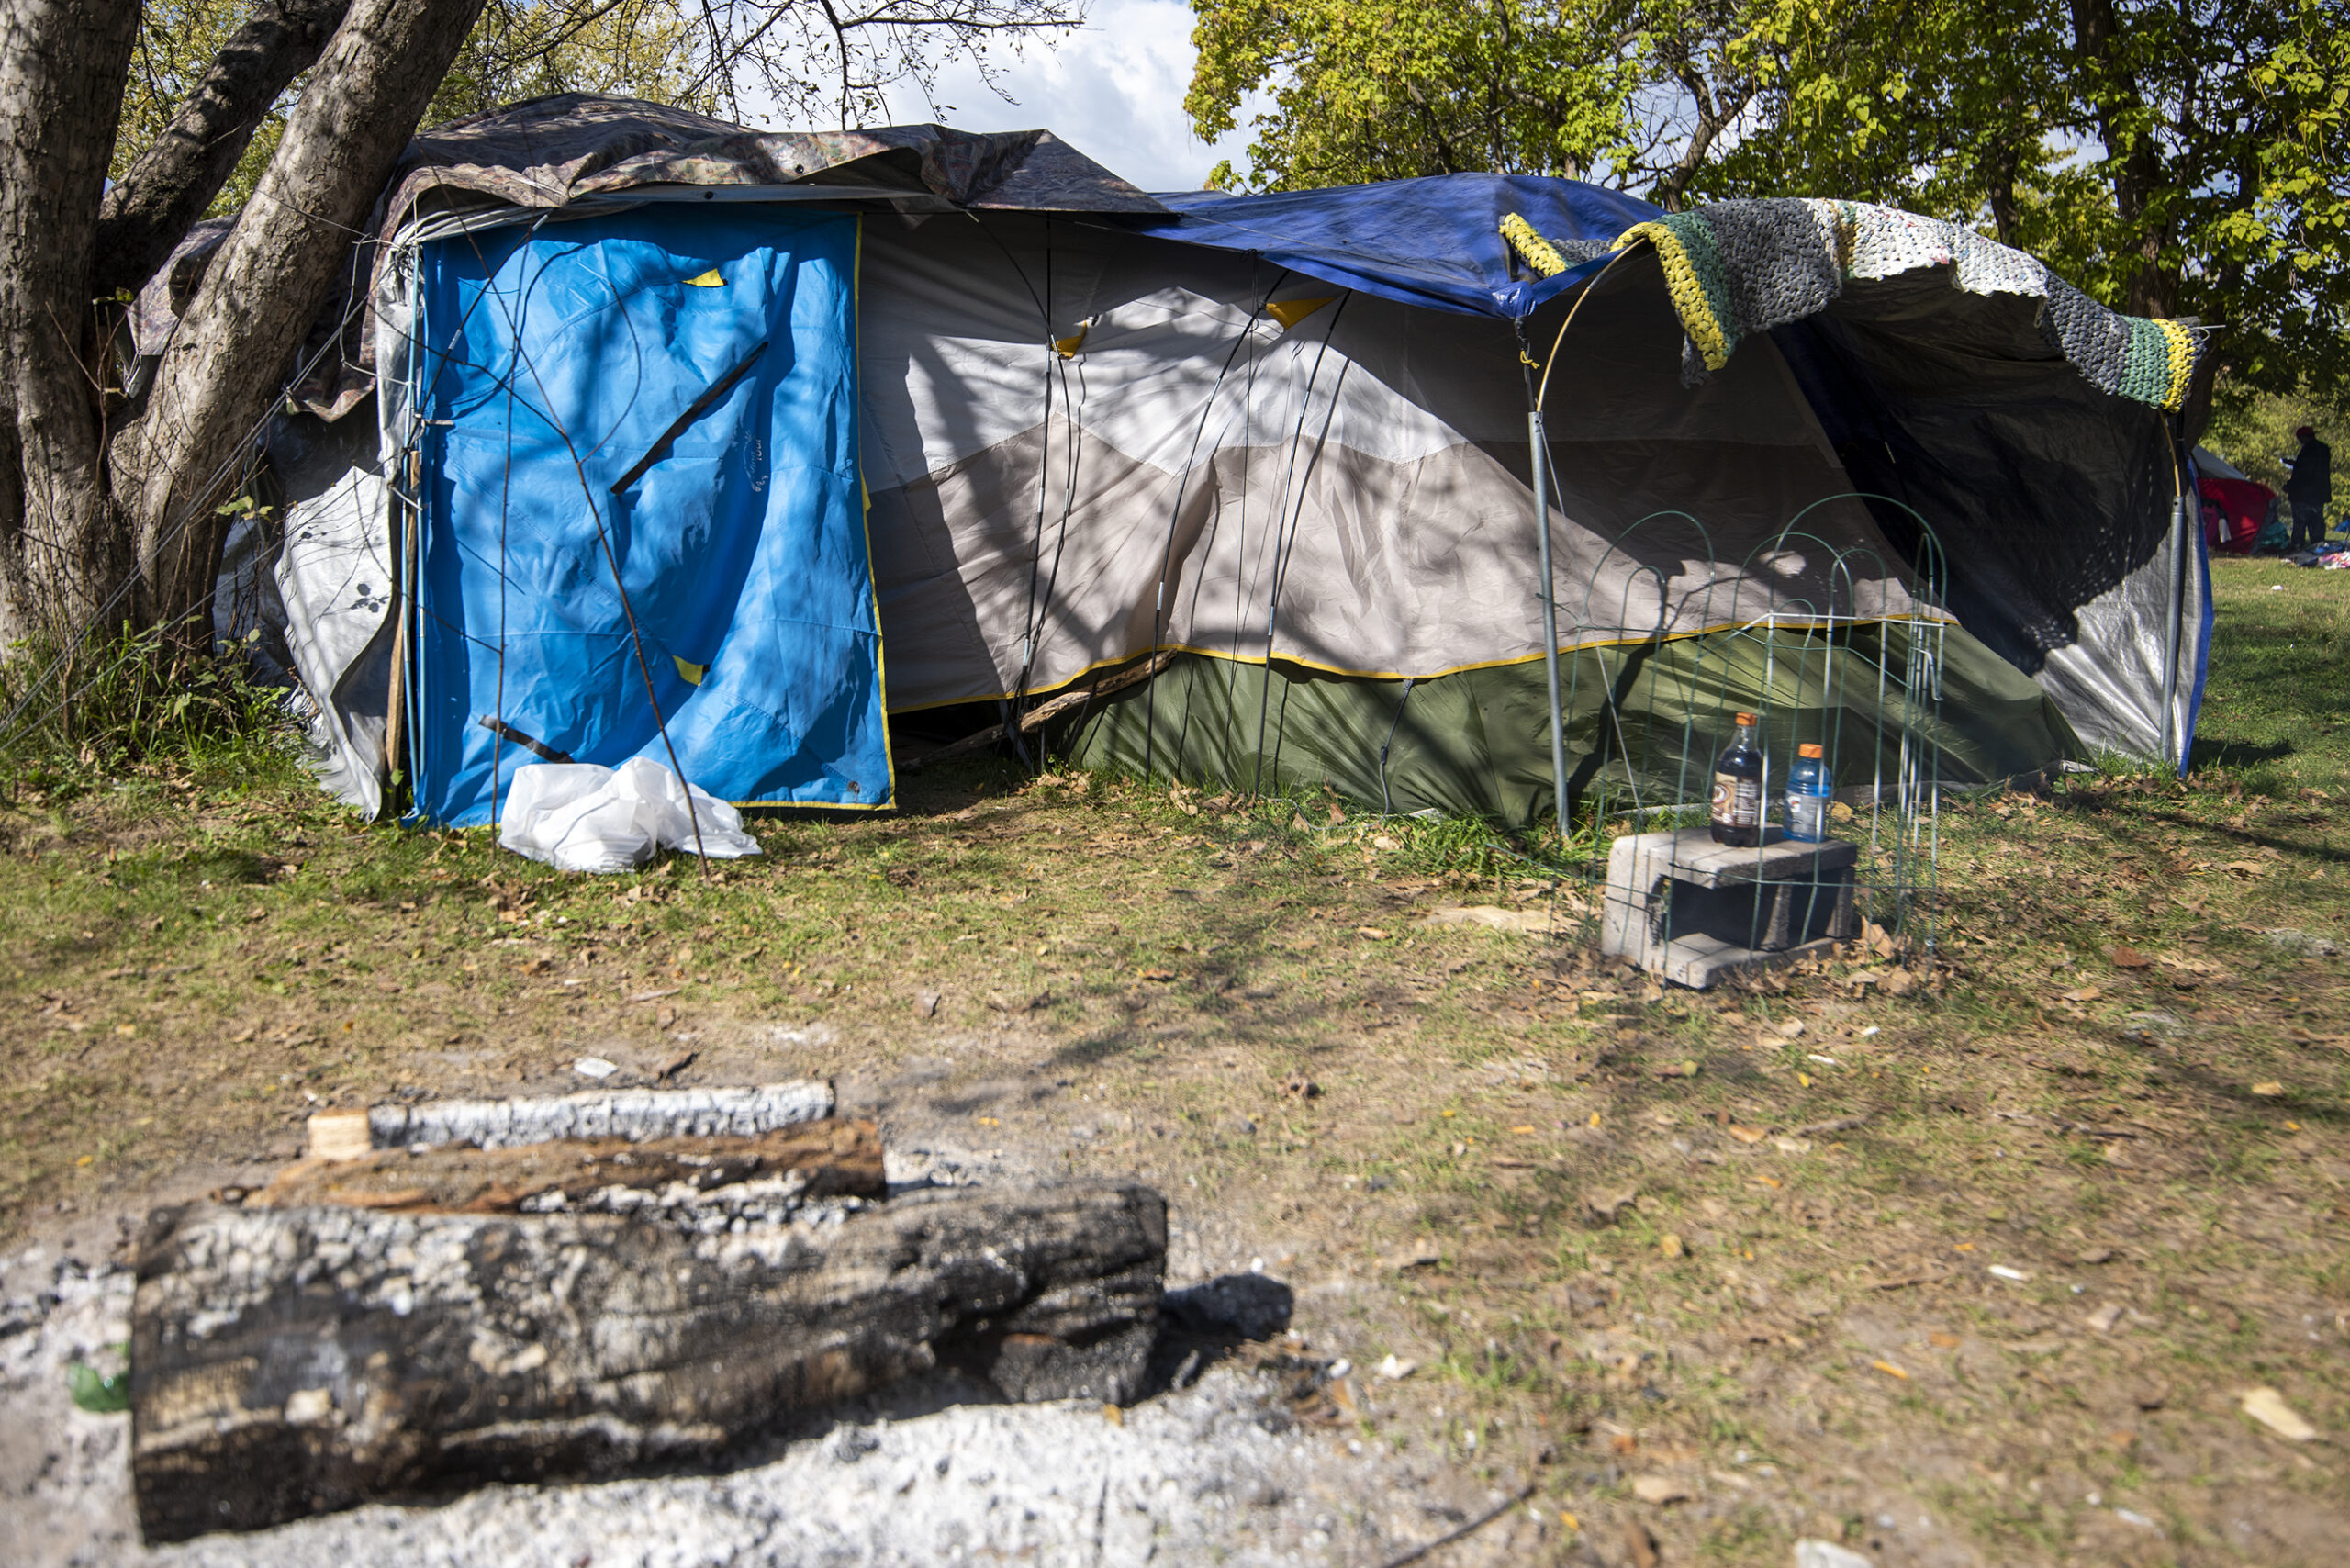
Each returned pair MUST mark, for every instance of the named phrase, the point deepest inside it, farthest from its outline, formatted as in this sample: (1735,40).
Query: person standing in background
(2310,488)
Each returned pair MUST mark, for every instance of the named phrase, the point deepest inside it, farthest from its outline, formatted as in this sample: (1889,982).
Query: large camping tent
(705,443)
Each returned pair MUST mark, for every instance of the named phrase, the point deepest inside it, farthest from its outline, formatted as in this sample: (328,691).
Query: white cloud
(1114,90)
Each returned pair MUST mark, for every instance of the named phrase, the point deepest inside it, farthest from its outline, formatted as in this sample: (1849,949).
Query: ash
(1215,1471)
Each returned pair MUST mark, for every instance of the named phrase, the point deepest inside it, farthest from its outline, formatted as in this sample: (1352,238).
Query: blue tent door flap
(641,510)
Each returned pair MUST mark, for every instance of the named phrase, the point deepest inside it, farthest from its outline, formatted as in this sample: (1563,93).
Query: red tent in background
(2233,510)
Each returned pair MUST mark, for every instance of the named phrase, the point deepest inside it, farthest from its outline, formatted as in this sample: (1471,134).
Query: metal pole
(1550,614)
(2171,633)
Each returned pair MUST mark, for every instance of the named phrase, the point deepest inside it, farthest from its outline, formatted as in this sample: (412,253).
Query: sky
(1113,91)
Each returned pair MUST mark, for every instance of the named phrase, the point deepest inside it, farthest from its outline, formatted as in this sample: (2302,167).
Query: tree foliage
(2172,157)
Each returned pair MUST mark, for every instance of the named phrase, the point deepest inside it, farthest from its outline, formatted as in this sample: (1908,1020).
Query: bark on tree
(62,64)
(269,281)
(169,187)
(292,1361)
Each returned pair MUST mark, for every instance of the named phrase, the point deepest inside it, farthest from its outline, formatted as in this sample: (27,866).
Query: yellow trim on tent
(1829,624)
(711,279)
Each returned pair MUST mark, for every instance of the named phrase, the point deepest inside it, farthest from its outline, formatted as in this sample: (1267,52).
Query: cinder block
(1693,912)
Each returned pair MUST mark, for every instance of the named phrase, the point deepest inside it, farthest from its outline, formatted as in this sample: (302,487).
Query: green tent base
(1643,721)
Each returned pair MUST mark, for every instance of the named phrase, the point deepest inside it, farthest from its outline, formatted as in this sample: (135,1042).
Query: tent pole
(1541,476)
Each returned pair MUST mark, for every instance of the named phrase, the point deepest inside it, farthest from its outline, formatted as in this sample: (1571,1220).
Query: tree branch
(169,186)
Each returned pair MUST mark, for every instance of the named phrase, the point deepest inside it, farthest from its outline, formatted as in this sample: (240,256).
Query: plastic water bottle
(1809,789)
(1737,812)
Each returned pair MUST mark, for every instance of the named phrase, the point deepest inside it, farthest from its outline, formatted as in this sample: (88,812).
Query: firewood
(288,1362)
(807,1159)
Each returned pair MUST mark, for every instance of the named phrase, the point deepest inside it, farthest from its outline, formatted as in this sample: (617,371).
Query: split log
(810,1160)
(293,1361)
(632,1114)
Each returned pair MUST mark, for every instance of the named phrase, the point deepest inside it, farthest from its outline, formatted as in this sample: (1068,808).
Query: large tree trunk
(168,187)
(2133,160)
(289,1362)
(228,361)
(62,63)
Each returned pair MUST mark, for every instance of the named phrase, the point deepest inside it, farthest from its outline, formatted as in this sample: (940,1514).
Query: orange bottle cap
(1746,718)
(1812,748)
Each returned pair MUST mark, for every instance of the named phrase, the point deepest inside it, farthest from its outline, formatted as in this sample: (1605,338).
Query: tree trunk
(169,187)
(62,63)
(292,1361)
(228,361)
(2133,161)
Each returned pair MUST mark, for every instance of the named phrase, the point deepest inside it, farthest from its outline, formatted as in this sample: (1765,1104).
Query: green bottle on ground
(1738,789)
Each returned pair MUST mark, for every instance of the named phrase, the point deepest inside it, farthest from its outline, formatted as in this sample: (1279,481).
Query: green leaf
(98,1392)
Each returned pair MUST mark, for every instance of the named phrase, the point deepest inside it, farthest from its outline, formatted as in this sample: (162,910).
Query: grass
(1241,1004)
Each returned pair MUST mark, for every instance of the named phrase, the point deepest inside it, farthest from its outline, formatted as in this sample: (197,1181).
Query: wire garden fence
(1669,659)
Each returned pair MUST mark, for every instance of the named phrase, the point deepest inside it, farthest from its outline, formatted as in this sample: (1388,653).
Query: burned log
(693,1176)
(287,1362)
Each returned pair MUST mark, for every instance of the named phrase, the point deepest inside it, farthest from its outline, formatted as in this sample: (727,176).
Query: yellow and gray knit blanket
(1739,267)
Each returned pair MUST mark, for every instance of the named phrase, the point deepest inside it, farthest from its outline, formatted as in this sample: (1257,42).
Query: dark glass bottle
(1738,789)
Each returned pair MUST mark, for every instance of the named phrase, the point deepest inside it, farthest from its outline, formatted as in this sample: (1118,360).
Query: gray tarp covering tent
(1287,438)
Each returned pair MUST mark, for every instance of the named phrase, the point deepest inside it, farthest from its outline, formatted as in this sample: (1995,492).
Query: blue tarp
(1434,241)
(740,546)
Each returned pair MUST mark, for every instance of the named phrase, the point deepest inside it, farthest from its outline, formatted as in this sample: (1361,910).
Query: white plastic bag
(577,816)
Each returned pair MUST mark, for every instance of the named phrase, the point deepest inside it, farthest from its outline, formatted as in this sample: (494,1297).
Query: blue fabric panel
(1434,241)
(558,356)
(2206,624)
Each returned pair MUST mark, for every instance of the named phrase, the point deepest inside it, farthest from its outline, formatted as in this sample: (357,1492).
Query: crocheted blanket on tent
(1739,267)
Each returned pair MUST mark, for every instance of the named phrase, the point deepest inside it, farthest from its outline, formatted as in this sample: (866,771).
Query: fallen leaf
(1942,1341)
(1520,1132)
(1659,1490)
(1889,1370)
(1371,933)
(2130,958)
(1112,1414)
(1770,1181)
(2083,993)
(2267,1407)
(1158,974)
(2097,1255)
(2105,1317)
(1395,1370)
(1791,1145)
(1670,1245)
(2268,1090)
(1747,1135)
(1639,1543)
(1678,1069)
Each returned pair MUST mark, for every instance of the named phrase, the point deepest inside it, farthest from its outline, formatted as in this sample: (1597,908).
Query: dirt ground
(1971,1262)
